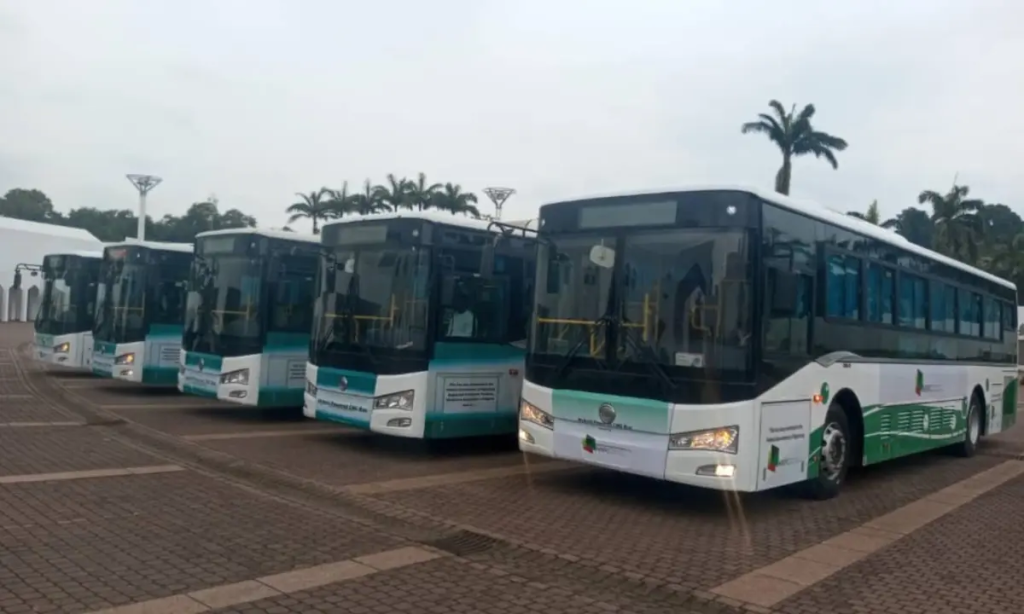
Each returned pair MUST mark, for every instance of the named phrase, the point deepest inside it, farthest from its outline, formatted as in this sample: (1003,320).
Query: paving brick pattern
(111,393)
(19,405)
(359,457)
(1008,444)
(214,419)
(64,448)
(90,544)
(598,541)
(449,586)
(672,534)
(969,562)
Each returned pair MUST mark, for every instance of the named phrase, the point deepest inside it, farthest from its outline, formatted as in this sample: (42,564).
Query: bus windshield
(122,318)
(372,300)
(676,298)
(223,313)
(68,287)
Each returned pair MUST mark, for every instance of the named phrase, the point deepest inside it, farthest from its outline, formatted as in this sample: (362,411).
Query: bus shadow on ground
(632,490)
(69,374)
(237,414)
(129,389)
(399,448)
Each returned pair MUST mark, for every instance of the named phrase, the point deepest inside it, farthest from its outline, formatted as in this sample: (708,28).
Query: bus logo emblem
(343,383)
(606,413)
(773,458)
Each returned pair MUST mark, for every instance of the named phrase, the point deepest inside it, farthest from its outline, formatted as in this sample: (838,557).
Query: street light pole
(498,196)
(144,184)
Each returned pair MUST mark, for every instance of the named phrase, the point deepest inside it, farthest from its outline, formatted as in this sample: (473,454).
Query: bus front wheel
(833,455)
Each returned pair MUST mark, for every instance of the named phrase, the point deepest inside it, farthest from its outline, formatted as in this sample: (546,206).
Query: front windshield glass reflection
(373,299)
(223,308)
(679,298)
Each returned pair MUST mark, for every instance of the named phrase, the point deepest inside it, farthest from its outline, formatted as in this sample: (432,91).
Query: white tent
(24,242)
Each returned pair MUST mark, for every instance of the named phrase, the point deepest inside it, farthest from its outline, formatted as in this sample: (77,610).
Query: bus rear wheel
(972,430)
(833,455)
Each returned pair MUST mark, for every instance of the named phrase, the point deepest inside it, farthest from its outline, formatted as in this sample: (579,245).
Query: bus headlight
(725,439)
(531,413)
(63,348)
(236,377)
(125,359)
(398,400)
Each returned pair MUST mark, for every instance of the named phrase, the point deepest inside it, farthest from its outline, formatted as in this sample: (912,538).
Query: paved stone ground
(675,534)
(450,586)
(519,534)
(969,562)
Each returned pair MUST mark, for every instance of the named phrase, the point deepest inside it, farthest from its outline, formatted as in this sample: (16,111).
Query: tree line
(989,236)
(109,225)
(318,206)
(395,194)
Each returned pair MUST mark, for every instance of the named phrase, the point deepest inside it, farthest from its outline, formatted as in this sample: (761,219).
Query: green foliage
(988,236)
(115,225)
(795,136)
(395,194)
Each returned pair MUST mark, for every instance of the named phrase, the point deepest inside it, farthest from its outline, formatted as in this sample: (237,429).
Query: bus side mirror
(785,290)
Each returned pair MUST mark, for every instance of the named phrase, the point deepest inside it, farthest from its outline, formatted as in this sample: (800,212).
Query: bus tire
(834,456)
(972,430)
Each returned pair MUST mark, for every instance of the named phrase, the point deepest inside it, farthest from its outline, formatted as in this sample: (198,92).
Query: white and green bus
(420,325)
(248,316)
(63,325)
(740,340)
(140,305)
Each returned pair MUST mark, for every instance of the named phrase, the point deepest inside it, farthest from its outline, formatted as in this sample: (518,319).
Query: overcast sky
(254,100)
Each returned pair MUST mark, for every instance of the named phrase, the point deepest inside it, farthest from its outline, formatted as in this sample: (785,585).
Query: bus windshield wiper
(600,323)
(650,358)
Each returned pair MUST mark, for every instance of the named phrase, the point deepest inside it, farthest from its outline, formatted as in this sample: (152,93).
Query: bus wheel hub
(833,450)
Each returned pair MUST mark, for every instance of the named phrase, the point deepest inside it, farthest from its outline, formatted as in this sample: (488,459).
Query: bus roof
(437,217)
(823,214)
(157,245)
(78,252)
(263,232)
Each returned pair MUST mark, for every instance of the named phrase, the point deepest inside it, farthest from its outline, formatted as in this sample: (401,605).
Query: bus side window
(787,313)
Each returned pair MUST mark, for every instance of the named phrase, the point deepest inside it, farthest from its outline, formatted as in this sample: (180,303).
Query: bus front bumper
(233,379)
(127,361)
(645,453)
(348,398)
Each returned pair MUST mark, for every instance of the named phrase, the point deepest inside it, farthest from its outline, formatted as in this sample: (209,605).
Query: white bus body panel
(77,356)
(907,408)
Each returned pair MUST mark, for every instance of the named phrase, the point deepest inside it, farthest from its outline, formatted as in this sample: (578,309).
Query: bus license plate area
(628,451)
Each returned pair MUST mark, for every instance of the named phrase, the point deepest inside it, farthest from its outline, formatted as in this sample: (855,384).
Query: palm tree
(451,198)
(1006,260)
(368,201)
(313,206)
(422,195)
(394,195)
(871,216)
(795,136)
(340,202)
(956,220)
